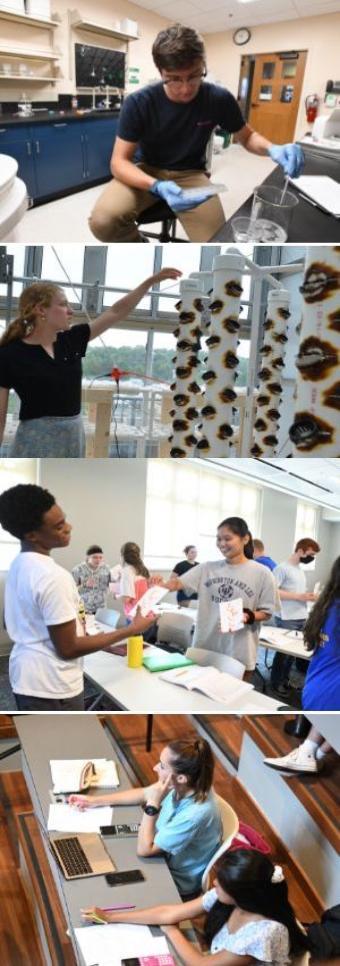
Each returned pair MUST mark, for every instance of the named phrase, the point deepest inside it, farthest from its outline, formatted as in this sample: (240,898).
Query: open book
(77,775)
(216,684)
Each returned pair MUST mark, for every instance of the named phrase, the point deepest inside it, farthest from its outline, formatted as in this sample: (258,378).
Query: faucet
(107,102)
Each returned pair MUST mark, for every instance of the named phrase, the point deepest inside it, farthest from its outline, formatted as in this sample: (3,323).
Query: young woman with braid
(181,817)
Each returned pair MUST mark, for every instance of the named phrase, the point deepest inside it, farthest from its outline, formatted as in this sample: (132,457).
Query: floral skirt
(50,436)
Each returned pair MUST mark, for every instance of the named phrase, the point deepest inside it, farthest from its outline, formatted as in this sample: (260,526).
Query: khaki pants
(114,215)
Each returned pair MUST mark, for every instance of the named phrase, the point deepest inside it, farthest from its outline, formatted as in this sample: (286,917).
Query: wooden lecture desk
(82,736)
(309,223)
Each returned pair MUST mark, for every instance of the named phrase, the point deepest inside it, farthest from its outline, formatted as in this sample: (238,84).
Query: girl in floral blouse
(249,916)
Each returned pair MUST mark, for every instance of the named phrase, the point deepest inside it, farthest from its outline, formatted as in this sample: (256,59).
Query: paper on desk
(231,614)
(108,945)
(66,774)
(149,601)
(324,191)
(65,818)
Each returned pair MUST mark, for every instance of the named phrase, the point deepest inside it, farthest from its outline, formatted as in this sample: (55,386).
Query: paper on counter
(231,614)
(66,773)
(149,601)
(321,189)
(108,945)
(65,818)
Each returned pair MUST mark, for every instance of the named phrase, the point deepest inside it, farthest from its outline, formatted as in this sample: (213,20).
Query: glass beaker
(267,206)
(261,231)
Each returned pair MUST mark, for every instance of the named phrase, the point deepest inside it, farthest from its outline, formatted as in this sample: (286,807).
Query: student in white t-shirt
(238,575)
(292,615)
(42,607)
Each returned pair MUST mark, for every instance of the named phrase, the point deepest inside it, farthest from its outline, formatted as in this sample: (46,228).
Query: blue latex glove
(290,157)
(174,196)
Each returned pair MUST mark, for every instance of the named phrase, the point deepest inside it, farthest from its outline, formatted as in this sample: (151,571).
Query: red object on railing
(312,105)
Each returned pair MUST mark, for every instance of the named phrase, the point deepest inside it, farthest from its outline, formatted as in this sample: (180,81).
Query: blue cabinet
(60,155)
(99,136)
(16,142)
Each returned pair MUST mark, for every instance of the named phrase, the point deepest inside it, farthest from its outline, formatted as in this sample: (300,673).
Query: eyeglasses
(175,83)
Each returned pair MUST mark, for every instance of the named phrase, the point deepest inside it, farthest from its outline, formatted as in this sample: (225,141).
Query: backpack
(248,838)
(324,936)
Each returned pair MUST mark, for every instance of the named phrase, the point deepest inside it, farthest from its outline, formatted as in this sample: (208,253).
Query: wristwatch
(151,809)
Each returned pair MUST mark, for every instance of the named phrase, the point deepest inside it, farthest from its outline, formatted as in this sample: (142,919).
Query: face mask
(308,559)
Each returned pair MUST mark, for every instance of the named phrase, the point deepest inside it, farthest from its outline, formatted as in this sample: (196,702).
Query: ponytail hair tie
(278,875)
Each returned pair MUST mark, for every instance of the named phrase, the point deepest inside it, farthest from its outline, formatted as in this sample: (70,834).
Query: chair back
(201,655)
(230,825)
(106,615)
(175,628)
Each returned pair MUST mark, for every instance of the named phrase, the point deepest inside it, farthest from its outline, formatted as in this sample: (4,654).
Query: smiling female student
(40,357)
(237,575)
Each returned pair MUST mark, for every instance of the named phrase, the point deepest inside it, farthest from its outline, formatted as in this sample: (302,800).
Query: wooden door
(276,92)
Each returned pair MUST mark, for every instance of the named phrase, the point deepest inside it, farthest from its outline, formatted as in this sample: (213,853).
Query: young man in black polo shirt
(160,149)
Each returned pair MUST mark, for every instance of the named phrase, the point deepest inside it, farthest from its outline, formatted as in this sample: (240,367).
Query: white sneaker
(297,760)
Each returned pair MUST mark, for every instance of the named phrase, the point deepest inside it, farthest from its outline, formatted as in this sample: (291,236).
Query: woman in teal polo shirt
(181,815)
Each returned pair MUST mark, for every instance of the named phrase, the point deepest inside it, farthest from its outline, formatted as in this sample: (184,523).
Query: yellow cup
(135,651)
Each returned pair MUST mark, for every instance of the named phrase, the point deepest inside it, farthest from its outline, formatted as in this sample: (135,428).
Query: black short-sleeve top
(46,386)
(172,135)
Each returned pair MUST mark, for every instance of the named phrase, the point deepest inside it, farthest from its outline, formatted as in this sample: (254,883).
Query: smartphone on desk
(119,831)
(120,649)
(123,878)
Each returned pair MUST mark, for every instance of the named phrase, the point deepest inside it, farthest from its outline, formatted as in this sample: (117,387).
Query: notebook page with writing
(65,818)
(108,945)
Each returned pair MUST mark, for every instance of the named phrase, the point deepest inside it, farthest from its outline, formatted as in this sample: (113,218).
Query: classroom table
(82,736)
(136,689)
(285,641)
(309,223)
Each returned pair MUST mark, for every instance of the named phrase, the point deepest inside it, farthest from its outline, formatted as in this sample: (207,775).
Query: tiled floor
(67,219)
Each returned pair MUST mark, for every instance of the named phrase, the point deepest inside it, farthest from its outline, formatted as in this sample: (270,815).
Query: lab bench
(308,223)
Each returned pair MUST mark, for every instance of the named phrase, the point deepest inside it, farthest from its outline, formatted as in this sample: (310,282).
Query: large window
(185,503)
(13,472)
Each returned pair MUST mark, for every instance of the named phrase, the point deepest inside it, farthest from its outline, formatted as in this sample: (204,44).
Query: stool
(160,211)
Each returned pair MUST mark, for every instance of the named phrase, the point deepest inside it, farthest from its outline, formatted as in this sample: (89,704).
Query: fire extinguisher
(311,104)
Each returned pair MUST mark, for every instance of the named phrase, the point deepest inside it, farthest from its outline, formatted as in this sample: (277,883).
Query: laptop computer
(82,855)
(79,856)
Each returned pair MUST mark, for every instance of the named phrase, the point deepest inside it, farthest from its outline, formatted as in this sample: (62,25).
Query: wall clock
(241,36)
